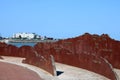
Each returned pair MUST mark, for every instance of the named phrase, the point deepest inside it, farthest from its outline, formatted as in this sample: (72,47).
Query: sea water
(19,44)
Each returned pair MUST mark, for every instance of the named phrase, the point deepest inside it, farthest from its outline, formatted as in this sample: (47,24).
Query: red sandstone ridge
(86,51)
(31,54)
(97,45)
(102,46)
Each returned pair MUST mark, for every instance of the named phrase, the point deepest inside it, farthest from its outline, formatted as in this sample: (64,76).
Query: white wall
(24,35)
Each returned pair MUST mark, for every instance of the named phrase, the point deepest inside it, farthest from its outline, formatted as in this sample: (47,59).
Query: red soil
(14,72)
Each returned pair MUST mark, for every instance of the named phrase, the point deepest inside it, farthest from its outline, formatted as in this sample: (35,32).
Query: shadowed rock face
(88,51)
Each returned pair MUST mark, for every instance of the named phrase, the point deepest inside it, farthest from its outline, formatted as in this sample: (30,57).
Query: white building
(26,35)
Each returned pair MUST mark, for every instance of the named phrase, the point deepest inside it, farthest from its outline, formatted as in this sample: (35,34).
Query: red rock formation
(12,50)
(26,51)
(3,48)
(8,50)
(102,46)
(32,56)
(86,51)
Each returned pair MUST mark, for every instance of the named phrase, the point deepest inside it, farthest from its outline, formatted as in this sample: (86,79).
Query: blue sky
(60,18)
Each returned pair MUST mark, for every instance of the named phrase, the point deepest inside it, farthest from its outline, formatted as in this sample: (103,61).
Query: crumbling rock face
(91,52)
(26,51)
(8,50)
(102,46)
(88,51)
(32,56)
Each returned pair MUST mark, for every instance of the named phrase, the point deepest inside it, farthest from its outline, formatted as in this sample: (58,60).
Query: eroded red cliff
(32,56)
(91,52)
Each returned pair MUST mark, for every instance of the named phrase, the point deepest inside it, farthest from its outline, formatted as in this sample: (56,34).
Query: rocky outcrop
(91,52)
(102,46)
(32,56)
(8,50)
